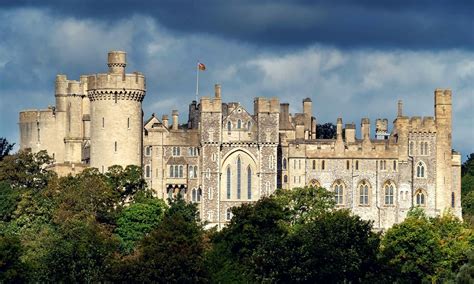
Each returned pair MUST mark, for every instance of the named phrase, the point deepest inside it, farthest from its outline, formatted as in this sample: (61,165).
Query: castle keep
(225,156)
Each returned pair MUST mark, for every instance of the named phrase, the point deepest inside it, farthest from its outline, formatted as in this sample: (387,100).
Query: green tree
(8,201)
(137,220)
(5,147)
(466,272)
(11,268)
(126,182)
(326,131)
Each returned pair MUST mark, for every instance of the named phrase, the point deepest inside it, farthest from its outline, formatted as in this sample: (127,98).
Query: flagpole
(197,81)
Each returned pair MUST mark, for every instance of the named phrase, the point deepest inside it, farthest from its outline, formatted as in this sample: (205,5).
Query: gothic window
(239,124)
(228,214)
(389,192)
(314,164)
(363,193)
(339,192)
(420,170)
(147,171)
(229,126)
(249,182)
(285,178)
(191,172)
(411,148)
(239,176)
(228,182)
(148,151)
(314,183)
(199,194)
(420,198)
(194,195)
(284,163)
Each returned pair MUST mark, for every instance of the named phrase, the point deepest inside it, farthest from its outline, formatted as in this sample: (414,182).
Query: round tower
(116,115)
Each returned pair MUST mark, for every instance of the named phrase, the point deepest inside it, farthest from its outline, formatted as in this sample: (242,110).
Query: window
(420,198)
(214,157)
(115,146)
(194,195)
(208,173)
(339,192)
(272,162)
(180,171)
(426,148)
(323,165)
(314,164)
(239,175)
(383,165)
(363,193)
(394,165)
(191,171)
(357,165)
(299,164)
(267,188)
(147,171)
(410,149)
(176,151)
(453,200)
(294,164)
(239,124)
(249,125)
(229,126)
(388,190)
(103,122)
(228,214)
(420,170)
(209,193)
(284,163)
(128,123)
(285,178)
(148,151)
(176,171)
(314,183)
(347,164)
(249,183)
(228,182)
(195,172)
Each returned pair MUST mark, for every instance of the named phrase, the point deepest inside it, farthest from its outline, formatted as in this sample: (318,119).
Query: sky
(354,59)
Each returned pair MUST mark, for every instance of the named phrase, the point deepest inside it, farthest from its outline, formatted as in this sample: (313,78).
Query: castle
(225,156)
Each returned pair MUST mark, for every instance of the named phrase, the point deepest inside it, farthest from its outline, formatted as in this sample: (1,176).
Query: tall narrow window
(294,164)
(285,178)
(239,176)
(339,193)
(284,163)
(249,125)
(357,165)
(389,190)
(239,124)
(180,171)
(229,126)
(128,123)
(363,193)
(228,214)
(314,164)
(394,165)
(426,148)
(194,198)
(171,171)
(411,148)
(191,172)
(228,182)
(103,122)
(115,144)
(148,151)
(148,171)
(420,170)
(299,164)
(347,164)
(115,97)
(452,200)
(195,172)
(323,165)
(210,195)
(199,194)
(249,183)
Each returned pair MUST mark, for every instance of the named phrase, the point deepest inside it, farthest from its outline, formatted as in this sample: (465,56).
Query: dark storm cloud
(377,24)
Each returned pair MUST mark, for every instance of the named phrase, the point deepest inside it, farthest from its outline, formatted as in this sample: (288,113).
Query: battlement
(271,105)
(135,81)
(443,96)
(211,104)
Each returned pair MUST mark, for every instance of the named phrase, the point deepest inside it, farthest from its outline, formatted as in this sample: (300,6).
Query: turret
(61,92)
(116,115)
(307,110)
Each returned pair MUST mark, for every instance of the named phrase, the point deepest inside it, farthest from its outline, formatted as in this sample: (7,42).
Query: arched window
(389,192)
(194,193)
(420,198)
(420,170)
(249,183)
(228,182)
(147,171)
(199,194)
(363,193)
(239,124)
(228,214)
(285,178)
(229,126)
(148,151)
(411,148)
(338,192)
(239,176)
(314,164)
(180,171)
(284,163)
(195,172)
(314,183)
(191,172)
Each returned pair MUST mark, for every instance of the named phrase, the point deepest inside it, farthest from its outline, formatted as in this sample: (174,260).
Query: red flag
(201,66)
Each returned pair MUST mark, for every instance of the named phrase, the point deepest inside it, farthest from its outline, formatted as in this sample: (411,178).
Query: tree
(126,182)
(466,272)
(326,131)
(8,201)
(5,148)
(12,270)
(137,220)
(467,189)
